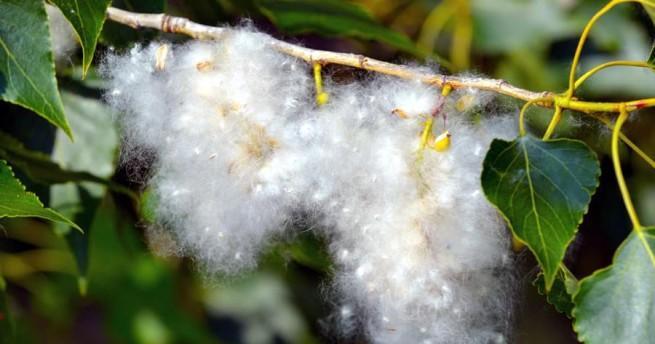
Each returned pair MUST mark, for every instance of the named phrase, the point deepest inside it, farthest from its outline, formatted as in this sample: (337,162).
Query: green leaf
(39,167)
(562,291)
(27,70)
(16,202)
(94,150)
(543,189)
(335,18)
(87,18)
(617,304)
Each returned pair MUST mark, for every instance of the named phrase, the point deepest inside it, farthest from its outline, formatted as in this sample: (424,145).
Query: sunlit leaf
(543,189)
(87,18)
(16,202)
(617,304)
(27,70)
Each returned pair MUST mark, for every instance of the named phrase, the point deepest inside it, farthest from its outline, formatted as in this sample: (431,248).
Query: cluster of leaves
(543,188)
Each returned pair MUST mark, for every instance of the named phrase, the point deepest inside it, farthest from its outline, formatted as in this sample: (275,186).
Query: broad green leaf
(332,17)
(96,141)
(27,70)
(16,202)
(96,137)
(39,167)
(562,291)
(94,150)
(543,189)
(617,304)
(87,18)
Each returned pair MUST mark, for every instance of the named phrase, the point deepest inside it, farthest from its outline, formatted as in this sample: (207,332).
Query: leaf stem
(524,109)
(557,116)
(629,142)
(600,67)
(583,39)
(616,159)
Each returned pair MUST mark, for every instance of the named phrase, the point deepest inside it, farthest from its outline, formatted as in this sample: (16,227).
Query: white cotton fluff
(62,36)
(241,149)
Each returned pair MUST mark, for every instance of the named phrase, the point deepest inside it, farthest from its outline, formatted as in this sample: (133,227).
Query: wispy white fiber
(62,37)
(241,149)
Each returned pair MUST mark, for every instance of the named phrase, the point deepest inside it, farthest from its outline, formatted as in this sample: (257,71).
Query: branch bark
(184,26)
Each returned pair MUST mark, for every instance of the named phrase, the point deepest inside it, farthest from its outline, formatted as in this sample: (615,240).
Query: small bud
(322,98)
(442,142)
(445,91)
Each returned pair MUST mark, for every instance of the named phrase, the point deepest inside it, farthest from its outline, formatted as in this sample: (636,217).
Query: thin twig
(184,26)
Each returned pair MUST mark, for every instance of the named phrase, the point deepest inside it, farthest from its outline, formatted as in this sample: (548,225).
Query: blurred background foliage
(105,285)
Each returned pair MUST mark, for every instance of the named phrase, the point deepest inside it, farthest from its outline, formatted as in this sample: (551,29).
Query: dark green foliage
(15,201)
(87,18)
(27,70)
(543,189)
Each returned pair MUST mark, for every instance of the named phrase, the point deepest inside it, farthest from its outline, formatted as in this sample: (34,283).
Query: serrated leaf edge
(63,218)
(549,283)
(64,125)
(596,273)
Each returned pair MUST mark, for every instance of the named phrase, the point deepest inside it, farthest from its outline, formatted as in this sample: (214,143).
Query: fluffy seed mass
(241,149)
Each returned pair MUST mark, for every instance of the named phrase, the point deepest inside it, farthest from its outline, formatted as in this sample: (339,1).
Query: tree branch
(184,26)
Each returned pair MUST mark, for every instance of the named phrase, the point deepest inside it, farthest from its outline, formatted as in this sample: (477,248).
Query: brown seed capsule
(400,113)
(160,57)
(204,66)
